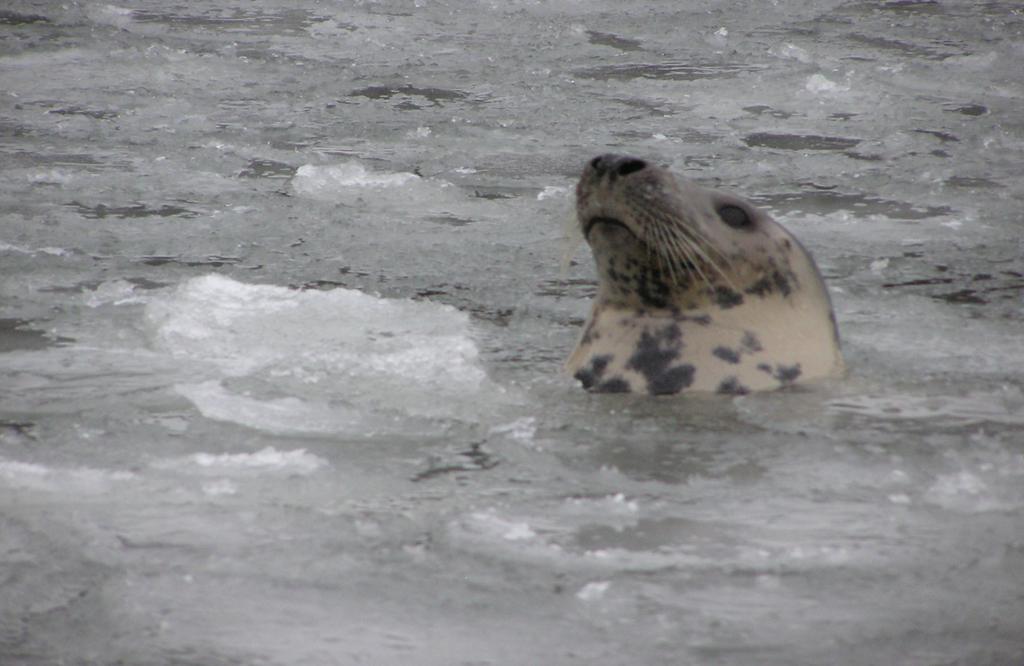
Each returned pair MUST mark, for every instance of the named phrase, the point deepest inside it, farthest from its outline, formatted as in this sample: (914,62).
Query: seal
(698,290)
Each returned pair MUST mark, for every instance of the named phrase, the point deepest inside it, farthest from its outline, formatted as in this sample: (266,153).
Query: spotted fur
(698,290)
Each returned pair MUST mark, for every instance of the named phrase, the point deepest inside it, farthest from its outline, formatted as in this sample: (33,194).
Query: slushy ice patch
(338,361)
(351,183)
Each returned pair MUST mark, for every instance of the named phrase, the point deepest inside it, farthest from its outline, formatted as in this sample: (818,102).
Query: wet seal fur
(698,290)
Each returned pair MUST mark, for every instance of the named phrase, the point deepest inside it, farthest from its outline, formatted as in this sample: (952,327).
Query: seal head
(698,290)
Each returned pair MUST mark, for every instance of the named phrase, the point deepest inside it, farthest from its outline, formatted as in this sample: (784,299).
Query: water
(282,317)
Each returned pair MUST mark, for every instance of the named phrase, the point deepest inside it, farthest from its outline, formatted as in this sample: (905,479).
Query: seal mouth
(589,225)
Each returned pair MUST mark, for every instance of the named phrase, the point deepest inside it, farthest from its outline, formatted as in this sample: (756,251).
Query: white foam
(521,430)
(536,538)
(327,29)
(116,292)
(593,591)
(963,491)
(489,523)
(40,477)
(282,416)
(13,469)
(17,249)
(792,52)
(976,62)
(971,409)
(245,327)
(118,17)
(267,460)
(51,176)
(220,488)
(816,83)
(351,183)
(607,507)
(335,361)
(311,179)
(553,192)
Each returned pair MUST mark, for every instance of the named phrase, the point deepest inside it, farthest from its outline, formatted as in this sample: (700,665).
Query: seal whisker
(665,259)
(682,251)
(668,250)
(678,243)
(572,238)
(693,251)
(699,243)
(677,247)
(701,240)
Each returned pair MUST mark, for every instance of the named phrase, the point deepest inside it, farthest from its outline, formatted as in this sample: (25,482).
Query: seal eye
(631,166)
(735,217)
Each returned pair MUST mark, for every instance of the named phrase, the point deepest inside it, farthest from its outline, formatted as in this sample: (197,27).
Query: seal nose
(617,165)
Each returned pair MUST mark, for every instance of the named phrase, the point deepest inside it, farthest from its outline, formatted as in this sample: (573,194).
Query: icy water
(283,308)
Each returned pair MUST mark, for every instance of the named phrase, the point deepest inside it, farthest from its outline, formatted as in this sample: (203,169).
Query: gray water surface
(286,291)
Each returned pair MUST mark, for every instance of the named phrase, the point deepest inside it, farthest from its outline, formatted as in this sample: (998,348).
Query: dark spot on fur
(732,386)
(784,374)
(653,358)
(782,283)
(673,380)
(751,343)
(787,374)
(702,320)
(727,298)
(769,284)
(650,359)
(585,377)
(600,363)
(726,354)
(672,333)
(761,288)
(653,291)
(613,385)
(591,374)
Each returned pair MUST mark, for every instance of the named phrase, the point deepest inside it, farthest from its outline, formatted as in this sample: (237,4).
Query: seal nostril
(596,163)
(631,166)
(735,217)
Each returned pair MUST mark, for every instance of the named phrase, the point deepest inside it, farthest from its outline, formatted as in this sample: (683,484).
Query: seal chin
(589,225)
